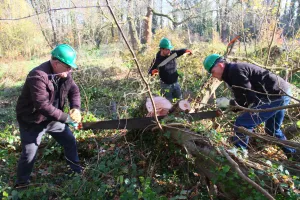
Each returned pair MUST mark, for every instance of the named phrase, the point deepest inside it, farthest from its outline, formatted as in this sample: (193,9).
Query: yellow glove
(75,115)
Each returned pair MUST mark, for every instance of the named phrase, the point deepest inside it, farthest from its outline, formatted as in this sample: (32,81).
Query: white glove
(222,102)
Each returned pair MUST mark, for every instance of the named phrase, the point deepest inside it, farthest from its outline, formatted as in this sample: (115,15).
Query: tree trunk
(75,32)
(132,28)
(54,41)
(224,28)
(34,6)
(147,36)
(206,93)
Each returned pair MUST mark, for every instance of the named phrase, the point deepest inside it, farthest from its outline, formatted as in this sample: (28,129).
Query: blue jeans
(273,121)
(31,139)
(171,91)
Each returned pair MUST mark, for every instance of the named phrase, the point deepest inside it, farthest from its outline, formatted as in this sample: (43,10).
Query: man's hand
(75,115)
(71,122)
(154,72)
(222,102)
(188,52)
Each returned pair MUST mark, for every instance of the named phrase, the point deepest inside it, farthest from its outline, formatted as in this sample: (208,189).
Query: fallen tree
(230,173)
(233,174)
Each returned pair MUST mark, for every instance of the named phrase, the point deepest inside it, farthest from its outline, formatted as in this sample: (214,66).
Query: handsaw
(142,123)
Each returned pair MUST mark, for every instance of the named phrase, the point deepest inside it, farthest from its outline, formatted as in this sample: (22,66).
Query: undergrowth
(118,164)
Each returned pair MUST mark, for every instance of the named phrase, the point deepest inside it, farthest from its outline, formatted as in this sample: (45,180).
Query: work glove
(71,122)
(154,72)
(222,102)
(75,115)
(188,52)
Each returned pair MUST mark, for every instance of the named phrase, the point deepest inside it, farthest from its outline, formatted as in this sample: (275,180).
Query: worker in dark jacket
(256,88)
(40,109)
(165,65)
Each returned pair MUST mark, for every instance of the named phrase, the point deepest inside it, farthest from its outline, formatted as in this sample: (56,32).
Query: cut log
(181,106)
(162,106)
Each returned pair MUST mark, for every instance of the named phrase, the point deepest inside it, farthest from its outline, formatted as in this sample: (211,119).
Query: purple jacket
(35,102)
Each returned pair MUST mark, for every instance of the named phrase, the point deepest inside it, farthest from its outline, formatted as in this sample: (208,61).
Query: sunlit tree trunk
(148,24)
(224,28)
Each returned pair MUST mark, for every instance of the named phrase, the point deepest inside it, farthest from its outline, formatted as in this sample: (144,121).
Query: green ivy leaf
(5,194)
(226,168)
(298,124)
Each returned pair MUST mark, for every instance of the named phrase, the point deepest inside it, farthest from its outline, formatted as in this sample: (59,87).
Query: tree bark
(206,93)
(147,36)
(132,28)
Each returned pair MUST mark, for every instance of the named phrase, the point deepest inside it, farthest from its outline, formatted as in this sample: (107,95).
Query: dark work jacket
(252,77)
(167,73)
(35,104)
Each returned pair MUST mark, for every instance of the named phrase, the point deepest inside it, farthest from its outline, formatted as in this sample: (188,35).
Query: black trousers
(31,137)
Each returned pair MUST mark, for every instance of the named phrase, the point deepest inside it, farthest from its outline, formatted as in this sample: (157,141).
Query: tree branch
(184,20)
(137,64)
(264,110)
(243,176)
(285,94)
(50,10)
(267,138)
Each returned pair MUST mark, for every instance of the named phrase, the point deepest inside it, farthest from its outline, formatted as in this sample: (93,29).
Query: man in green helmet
(165,65)
(40,110)
(256,88)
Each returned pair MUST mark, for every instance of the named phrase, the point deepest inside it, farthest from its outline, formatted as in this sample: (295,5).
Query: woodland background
(145,164)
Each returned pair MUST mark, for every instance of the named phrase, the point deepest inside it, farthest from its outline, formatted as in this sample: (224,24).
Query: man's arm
(40,97)
(243,96)
(179,52)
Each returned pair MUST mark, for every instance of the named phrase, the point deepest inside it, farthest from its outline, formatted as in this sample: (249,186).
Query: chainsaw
(142,123)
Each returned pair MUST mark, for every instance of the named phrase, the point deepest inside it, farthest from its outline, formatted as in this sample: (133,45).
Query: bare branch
(267,138)
(285,94)
(184,20)
(243,176)
(50,10)
(263,66)
(264,110)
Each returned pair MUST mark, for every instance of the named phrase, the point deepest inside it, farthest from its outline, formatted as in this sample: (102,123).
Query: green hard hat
(210,60)
(165,44)
(66,54)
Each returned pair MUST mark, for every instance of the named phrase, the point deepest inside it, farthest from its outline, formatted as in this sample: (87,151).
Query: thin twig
(136,62)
